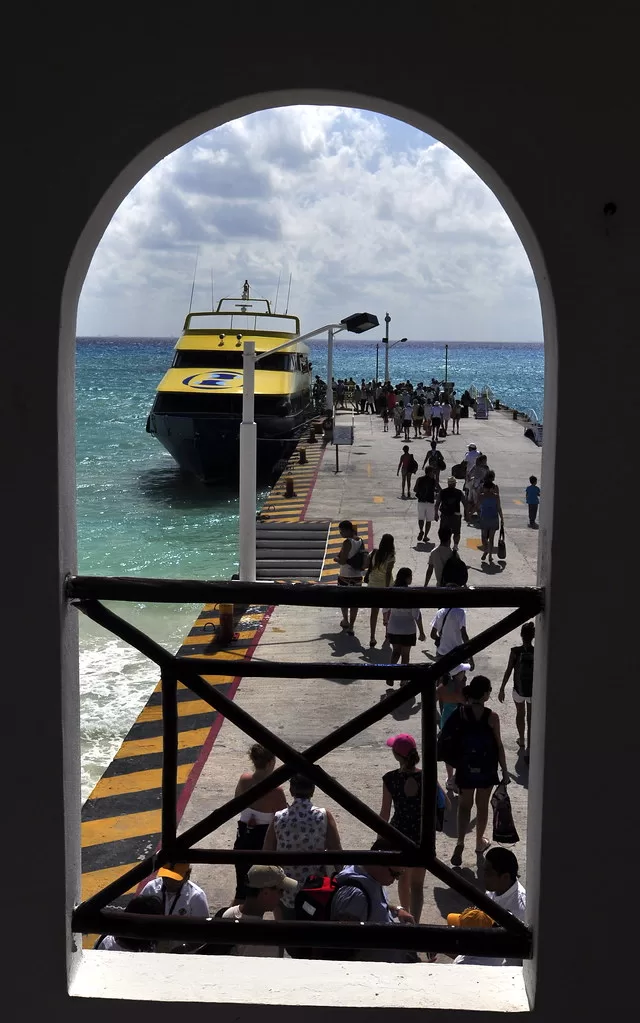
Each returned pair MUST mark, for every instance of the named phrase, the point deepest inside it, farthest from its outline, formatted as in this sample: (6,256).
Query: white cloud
(364,212)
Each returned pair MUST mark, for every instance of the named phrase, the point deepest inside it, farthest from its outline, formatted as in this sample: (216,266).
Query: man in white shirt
(449,627)
(179,895)
(264,889)
(501,882)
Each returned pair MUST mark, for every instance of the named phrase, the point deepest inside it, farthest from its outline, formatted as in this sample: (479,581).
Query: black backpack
(357,560)
(413,465)
(469,742)
(313,903)
(454,571)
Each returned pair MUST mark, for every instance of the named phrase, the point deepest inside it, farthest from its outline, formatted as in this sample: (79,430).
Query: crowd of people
(354,893)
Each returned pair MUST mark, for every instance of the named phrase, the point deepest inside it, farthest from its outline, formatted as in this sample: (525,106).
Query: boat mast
(275,304)
(288,295)
(193,283)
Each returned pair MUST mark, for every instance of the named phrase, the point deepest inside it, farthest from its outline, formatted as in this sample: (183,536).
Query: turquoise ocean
(137,515)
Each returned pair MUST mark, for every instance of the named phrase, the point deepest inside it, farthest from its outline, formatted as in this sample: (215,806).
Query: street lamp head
(387,318)
(357,323)
(402,339)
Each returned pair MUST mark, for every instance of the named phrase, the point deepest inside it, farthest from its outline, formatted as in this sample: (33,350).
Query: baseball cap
(461,667)
(402,744)
(471,917)
(472,447)
(264,876)
(176,871)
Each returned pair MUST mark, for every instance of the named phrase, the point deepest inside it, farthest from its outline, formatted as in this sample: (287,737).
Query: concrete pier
(368,490)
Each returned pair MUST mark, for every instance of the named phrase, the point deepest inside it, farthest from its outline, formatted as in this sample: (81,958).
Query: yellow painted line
(516,501)
(114,829)
(214,680)
(139,747)
(222,655)
(203,638)
(137,781)
(474,544)
(378,500)
(184,710)
(95,880)
(368,468)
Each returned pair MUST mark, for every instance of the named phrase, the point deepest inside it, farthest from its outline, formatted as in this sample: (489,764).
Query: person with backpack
(407,466)
(351,559)
(402,790)
(470,741)
(379,573)
(491,514)
(449,628)
(425,490)
(401,623)
(436,420)
(435,460)
(302,827)
(455,571)
(449,694)
(265,888)
(449,507)
(439,556)
(521,664)
(360,897)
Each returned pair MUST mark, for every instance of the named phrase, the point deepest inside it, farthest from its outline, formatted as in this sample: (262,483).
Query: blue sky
(364,211)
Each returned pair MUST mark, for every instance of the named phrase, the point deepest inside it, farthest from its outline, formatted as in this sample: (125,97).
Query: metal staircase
(291,550)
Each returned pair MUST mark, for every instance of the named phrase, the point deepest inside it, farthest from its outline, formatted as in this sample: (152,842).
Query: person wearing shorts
(425,491)
(436,420)
(349,576)
(521,664)
(401,624)
(449,506)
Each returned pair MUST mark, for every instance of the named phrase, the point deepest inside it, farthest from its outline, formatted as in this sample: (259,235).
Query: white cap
(461,667)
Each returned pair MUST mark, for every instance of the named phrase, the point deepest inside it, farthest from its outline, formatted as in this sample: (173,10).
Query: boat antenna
(193,283)
(275,304)
(212,299)
(288,294)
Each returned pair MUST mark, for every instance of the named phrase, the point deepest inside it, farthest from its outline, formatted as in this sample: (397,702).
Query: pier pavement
(301,711)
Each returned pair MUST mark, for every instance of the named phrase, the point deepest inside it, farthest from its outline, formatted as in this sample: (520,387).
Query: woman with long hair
(402,790)
(254,822)
(491,515)
(449,694)
(401,624)
(379,572)
(471,740)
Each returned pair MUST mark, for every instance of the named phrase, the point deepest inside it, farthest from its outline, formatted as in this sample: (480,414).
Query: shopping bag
(502,547)
(504,830)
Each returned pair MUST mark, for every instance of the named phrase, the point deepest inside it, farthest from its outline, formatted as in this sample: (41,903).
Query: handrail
(510,938)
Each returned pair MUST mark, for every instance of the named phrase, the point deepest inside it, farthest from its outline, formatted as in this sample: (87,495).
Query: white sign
(342,434)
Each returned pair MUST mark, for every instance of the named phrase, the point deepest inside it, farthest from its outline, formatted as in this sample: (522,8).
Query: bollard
(303,456)
(225,628)
(312,434)
(288,487)
(515,414)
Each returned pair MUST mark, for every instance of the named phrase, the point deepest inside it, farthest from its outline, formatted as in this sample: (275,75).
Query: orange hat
(471,917)
(176,871)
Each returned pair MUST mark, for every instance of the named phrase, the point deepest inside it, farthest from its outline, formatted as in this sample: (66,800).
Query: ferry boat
(197,411)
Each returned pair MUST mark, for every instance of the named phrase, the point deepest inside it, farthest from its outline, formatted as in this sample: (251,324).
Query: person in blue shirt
(533,500)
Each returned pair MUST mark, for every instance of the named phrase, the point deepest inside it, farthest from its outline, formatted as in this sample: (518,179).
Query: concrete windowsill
(248,983)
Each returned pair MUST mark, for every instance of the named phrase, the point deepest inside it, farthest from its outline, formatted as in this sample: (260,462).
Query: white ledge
(249,983)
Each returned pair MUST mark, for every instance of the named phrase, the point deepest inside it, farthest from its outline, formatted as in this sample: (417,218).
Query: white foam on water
(116,682)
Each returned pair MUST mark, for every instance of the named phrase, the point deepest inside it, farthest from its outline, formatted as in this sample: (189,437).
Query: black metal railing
(509,938)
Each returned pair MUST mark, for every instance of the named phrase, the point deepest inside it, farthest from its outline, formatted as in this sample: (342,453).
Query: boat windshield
(187,358)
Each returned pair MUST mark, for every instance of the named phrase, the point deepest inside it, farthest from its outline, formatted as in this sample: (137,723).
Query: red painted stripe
(312,484)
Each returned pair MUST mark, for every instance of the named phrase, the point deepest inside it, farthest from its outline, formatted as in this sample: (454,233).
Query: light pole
(357,323)
(446,363)
(387,346)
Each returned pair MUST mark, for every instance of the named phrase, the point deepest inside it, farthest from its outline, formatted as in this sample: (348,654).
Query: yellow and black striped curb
(330,570)
(279,508)
(121,819)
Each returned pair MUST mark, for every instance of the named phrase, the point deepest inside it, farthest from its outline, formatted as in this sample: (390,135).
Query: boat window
(187,358)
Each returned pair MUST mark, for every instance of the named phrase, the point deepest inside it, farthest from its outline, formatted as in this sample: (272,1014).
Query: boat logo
(210,381)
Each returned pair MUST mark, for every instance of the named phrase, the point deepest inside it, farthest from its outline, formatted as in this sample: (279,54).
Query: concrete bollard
(225,628)
(288,487)
(303,456)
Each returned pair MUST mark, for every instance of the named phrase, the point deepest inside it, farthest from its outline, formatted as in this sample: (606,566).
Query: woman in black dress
(402,789)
